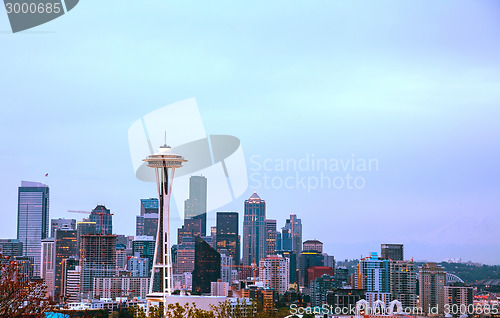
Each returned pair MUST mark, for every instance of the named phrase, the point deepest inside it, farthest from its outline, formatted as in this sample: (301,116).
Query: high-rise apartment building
(403,283)
(373,274)
(33,219)
(458,296)
(274,273)
(432,280)
(196,205)
(254,230)
(226,236)
(393,252)
(102,217)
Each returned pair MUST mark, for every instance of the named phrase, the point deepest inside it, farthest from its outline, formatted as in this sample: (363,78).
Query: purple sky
(415,85)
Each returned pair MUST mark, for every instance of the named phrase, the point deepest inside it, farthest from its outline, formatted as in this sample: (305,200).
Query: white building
(219,289)
(274,273)
(48,261)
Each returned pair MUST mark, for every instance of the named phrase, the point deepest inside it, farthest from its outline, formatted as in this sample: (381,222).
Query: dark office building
(227,236)
(149,206)
(206,266)
(102,214)
(309,259)
(33,219)
(393,252)
(196,206)
(343,300)
(340,277)
(11,247)
(65,247)
(61,224)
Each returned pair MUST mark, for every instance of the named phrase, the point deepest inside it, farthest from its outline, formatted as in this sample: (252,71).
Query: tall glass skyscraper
(254,230)
(196,206)
(102,214)
(227,237)
(33,219)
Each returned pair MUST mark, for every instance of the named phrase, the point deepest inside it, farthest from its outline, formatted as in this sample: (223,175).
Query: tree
(20,296)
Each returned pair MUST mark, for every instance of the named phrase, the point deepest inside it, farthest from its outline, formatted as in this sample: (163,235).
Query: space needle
(164,162)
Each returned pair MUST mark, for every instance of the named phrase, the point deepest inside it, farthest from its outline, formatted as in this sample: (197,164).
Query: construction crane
(99,213)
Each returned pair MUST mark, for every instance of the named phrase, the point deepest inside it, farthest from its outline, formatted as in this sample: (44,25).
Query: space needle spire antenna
(164,162)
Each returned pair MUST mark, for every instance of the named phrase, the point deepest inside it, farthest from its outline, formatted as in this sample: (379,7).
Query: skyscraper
(61,223)
(432,279)
(48,262)
(146,224)
(147,221)
(227,237)
(33,219)
(373,274)
(196,205)
(102,215)
(294,225)
(403,278)
(393,252)
(271,235)
(254,230)
(207,266)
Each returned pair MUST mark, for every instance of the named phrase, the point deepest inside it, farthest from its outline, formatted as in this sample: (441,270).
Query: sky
(413,85)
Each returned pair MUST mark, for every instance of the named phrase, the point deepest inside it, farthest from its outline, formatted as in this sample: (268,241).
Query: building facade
(33,219)
(207,266)
(403,277)
(393,252)
(254,230)
(274,273)
(227,234)
(196,205)
(432,280)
